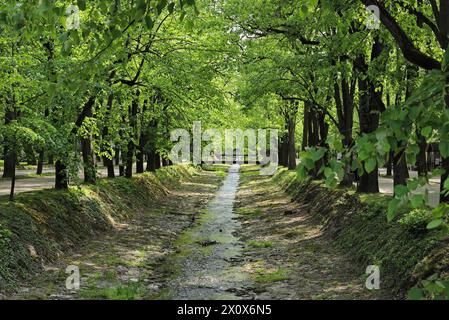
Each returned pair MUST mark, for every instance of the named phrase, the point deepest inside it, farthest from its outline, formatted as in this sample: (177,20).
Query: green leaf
(446,184)
(444,148)
(434,224)
(400,190)
(392,209)
(415,294)
(370,165)
(317,154)
(427,132)
(308,163)
(417,200)
(301,173)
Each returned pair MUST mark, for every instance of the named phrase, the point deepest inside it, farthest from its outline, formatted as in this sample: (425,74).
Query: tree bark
(291,125)
(400,170)
(131,146)
(151,163)
(143,139)
(40,162)
(157,160)
(61,178)
(283,151)
(370,107)
(88,161)
(421,159)
(13,178)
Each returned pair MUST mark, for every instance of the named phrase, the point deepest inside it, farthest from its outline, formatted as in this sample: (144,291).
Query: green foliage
(51,222)
(416,220)
(432,288)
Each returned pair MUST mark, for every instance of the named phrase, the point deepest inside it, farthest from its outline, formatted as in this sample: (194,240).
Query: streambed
(205,261)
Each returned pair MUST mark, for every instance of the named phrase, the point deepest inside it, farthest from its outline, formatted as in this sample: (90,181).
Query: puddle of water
(207,272)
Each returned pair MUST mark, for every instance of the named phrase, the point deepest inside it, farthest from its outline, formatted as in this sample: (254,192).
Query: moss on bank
(39,226)
(357,224)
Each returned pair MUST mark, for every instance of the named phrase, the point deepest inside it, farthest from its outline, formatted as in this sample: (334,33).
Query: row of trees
(112,78)
(362,97)
(105,79)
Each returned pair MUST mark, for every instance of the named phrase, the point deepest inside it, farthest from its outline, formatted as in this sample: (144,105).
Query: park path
(28,181)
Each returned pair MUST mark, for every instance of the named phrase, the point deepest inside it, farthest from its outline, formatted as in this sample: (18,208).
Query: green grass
(131,291)
(358,226)
(249,211)
(264,276)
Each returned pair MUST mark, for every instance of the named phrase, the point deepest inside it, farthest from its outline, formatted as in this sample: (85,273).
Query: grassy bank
(403,249)
(39,226)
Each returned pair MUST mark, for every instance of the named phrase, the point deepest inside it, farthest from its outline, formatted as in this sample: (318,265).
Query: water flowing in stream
(206,268)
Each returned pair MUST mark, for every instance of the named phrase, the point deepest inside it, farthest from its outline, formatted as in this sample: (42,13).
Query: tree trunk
(61,178)
(131,146)
(140,161)
(291,126)
(151,161)
(88,161)
(40,162)
(86,145)
(13,178)
(370,107)
(117,156)
(129,160)
(421,160)
(400,170)
(369,121)
(283,150)
(143,139)
(157,160)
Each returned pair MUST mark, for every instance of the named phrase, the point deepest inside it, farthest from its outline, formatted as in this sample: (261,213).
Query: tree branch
(410,52)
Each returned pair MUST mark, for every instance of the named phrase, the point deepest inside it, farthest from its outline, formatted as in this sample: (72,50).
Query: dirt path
(129,262)
(286,254)
(27,180)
